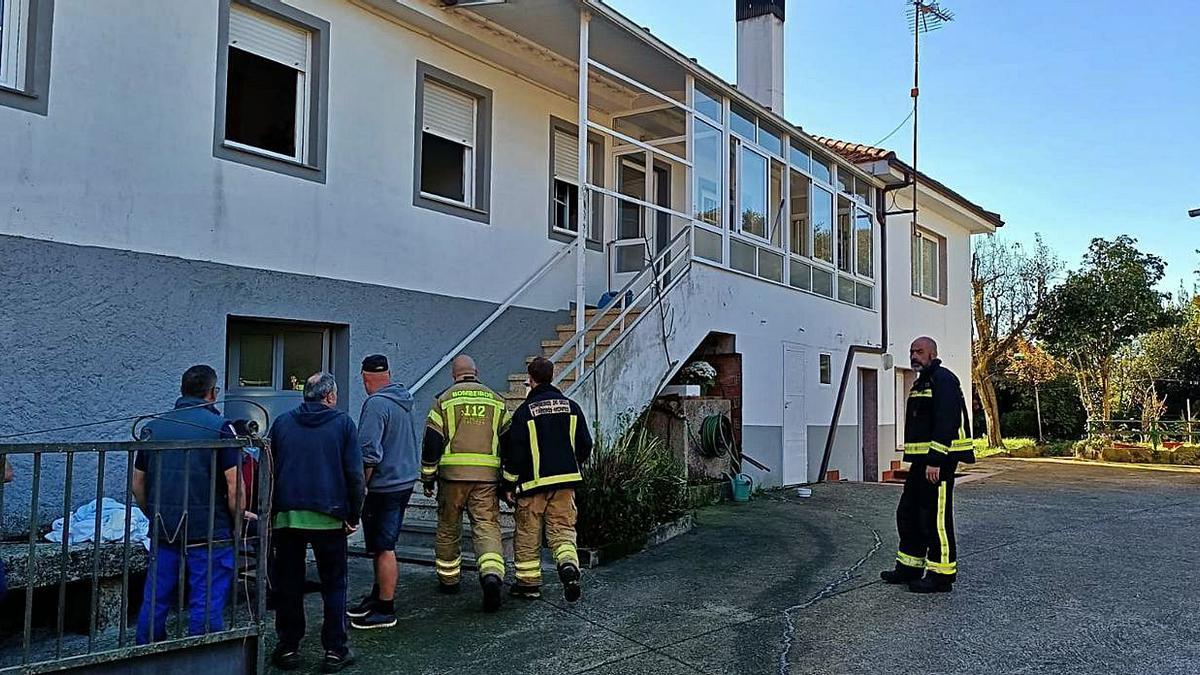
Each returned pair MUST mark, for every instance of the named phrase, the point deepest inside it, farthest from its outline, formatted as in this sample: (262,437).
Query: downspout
(856,349)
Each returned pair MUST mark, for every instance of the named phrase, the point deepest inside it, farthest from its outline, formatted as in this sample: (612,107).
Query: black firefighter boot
(493,585)
(933,583)
(903,574)
(569,574)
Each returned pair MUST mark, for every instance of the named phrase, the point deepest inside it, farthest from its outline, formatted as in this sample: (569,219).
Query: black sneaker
(285,658)
(363,608)
(335,662)
(899,576)
(570,580)
(526,592)
(932,583)
(492,588)
(374,620)
(447,589)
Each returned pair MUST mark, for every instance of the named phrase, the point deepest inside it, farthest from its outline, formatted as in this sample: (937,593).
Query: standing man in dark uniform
(936,438)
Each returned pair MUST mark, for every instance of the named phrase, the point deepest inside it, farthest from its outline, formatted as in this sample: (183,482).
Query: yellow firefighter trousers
(481,502)
(555,510)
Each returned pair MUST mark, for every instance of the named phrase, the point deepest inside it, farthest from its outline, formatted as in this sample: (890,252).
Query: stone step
(422,508)
(423,535)
(516,384)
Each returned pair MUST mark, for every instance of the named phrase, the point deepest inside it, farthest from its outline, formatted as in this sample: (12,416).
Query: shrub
(1187,454)
(1090,448)
(1019,422)
(1111,454)
(629,486)
(1058,449)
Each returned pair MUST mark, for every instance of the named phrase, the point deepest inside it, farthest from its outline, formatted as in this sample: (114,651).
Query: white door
(795,420)
(630,249)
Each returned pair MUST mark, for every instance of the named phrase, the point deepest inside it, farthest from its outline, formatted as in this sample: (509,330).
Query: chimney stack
(760,51)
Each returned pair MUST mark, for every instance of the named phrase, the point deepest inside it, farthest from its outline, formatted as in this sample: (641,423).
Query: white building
(279,187)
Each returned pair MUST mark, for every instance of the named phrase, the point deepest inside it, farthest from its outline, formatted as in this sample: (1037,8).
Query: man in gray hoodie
(391,461)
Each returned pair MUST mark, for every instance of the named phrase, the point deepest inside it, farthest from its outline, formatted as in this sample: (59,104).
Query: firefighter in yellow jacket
(461,456)
(543,450)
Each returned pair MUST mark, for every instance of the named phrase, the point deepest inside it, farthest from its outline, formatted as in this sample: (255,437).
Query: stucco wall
(91,334)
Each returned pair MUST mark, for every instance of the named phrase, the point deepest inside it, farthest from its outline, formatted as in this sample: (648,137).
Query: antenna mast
(923,17)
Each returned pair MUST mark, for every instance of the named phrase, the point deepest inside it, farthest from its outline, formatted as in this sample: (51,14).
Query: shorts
(383,514)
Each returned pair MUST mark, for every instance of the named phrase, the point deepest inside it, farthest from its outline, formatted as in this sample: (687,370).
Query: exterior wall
(93,334)
(125,160)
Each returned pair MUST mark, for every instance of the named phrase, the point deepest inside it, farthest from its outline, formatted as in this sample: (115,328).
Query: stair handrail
(491,318)
(657,270)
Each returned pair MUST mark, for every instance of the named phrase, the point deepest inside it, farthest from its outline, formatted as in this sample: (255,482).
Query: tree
(1099,309)
(1030,364)
(1009,285)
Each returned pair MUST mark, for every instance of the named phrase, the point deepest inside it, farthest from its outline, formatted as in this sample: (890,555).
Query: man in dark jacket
(936,438)
(317,501)
(180,516)
(541,452)
(387,434)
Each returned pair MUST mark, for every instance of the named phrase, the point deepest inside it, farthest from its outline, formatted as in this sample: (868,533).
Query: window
(743,122)
(770,265)
(846,289)
(822,282)
(453,158)
(564,181)
(776,208)
(799,232)
(928,271)
(845,236)
(771,139)
(271,90)
(25,37)
(268,356)
(753,206)
(822,224)
(708,103)
(743,256)
(708,173)
(821,167)
(801,275)
(826,368)
(864,242)
(800,157)
(708,244)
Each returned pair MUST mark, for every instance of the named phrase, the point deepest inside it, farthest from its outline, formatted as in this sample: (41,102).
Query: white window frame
(917,241)
(859,207)
(14,43)
(469,155)
(303,93)
(741,184)
(825,359)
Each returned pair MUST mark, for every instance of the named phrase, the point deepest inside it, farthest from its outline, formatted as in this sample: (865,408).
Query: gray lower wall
(845,457)
(764,444)
(91,334)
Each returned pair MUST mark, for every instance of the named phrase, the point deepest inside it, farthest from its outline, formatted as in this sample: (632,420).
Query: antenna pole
(918,7)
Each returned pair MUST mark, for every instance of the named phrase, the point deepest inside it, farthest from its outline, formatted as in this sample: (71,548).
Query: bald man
(937,436)
(461,459)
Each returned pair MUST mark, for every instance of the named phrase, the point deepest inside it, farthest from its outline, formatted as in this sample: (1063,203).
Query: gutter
(856,349)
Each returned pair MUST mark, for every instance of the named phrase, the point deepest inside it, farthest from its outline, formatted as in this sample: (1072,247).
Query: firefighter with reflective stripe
(543,450)
(461,457)
(936,438)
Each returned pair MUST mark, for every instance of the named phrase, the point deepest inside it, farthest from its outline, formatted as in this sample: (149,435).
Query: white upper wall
(124,159)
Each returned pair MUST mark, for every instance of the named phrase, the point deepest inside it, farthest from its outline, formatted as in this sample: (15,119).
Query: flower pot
(683,390)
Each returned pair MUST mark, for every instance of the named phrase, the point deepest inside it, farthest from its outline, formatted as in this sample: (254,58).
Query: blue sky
(1073,118)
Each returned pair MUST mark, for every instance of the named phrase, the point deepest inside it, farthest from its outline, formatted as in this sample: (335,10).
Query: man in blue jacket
(318,498)
(179,518)
(391,461)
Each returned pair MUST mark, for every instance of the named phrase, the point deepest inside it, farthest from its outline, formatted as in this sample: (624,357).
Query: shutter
(448,113)
(566,157)
(268,37)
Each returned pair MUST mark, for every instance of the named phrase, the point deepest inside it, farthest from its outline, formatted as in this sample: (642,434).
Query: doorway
(635,242)
(868,422)
(795,419)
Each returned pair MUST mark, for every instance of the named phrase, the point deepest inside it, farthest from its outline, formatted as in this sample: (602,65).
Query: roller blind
(566,157)
(268,37)
(448,113)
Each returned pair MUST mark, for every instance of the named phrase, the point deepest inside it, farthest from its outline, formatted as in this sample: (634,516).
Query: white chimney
(760,51)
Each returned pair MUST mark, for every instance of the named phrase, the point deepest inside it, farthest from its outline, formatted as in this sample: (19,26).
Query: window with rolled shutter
(448,113)
(268,37)
(566,157)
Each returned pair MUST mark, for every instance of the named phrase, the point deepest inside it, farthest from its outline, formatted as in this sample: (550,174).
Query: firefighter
(543,449)
(460,456)
(936,438)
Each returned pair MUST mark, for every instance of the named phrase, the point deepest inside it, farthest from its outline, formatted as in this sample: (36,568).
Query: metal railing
(645,290)
(128,546)
(1155,433)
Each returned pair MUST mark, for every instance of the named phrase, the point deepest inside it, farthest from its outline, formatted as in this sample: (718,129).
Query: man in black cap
(387,435)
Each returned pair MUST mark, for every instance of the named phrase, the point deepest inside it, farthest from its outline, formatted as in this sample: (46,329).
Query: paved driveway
(1063,569)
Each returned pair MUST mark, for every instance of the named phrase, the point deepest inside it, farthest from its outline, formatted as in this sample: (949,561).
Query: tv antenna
(924,16)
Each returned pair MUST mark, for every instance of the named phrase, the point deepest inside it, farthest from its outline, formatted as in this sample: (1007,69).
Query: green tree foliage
(1100,309)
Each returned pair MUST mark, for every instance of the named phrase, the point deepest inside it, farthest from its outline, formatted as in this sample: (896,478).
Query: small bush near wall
(630,485)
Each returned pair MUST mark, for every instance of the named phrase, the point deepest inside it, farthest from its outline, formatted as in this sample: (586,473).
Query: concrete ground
(1063,569)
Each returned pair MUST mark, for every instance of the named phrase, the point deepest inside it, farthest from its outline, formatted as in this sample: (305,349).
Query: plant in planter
(700,373)
(631,484)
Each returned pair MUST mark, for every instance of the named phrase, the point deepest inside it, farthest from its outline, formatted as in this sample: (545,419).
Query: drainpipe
(882,213)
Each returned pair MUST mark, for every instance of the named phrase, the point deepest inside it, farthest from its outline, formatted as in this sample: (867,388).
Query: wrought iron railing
(1155,432)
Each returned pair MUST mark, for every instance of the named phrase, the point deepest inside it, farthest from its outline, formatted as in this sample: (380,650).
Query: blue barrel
(742,485)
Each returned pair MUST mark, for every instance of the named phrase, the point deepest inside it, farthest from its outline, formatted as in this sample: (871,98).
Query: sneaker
(447,589)
(492,587)
(932,583)
(526,592)
(570,579)
(363,608)
(285,658)
(335,662)
(374,620)
(899,576)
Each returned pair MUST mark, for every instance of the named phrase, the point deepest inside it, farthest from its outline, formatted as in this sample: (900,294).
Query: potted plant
(695,379)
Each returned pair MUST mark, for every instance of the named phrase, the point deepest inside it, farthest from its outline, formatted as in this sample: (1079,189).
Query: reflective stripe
(535,575)
(574,423)
(470,459)
(537,454)
(436,418)
(942,568)
(962,444)
(943,539)
(552,480)
(938,447)
(529,565)
(921,393)
(909,560)
(566,551)
(450,422)
(511,477)
(491,562)
(916,448)
(449,564)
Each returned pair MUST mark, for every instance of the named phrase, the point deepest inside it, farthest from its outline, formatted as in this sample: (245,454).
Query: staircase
(419,532)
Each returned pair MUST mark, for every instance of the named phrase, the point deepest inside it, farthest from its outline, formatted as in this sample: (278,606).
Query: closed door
(795,419)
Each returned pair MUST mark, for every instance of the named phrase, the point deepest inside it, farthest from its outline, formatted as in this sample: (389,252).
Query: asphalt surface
(1063,569)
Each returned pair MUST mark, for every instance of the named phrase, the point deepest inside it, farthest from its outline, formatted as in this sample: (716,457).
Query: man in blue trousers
(179,529)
